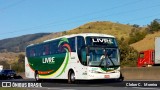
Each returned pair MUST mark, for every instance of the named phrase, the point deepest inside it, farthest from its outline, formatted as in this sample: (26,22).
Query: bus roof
(82,34)
(74,35)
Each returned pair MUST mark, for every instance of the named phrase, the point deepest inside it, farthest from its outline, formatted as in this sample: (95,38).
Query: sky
(21,17)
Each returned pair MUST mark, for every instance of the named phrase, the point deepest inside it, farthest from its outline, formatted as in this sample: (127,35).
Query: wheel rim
(72,77)
(37,77)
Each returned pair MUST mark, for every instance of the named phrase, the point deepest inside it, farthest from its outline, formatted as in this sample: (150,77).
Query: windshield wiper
(104,58)
(111,60)
(101,61)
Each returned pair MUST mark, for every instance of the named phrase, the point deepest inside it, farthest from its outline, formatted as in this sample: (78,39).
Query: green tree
(154,26)
(128,54)
(21,58)
(19,65)
(136,25)
(136,35)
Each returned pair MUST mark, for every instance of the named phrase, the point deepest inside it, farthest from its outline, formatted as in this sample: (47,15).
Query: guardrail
(141,73)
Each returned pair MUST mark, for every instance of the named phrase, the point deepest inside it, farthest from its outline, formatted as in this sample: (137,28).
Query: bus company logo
(65,44)
(49,60)
(101,40)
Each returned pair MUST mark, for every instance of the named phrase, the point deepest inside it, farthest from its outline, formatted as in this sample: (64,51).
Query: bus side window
(80,44)
(84,56)
(46,49)
(54,47)
(43,50)
(39,50)
(33,52)
(50,48)
(72,44)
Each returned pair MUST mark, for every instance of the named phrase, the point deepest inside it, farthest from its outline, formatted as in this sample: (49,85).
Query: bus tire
(121,78)
(71,77)
(36,76)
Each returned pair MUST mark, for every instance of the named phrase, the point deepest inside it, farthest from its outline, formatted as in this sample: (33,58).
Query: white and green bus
(86,56)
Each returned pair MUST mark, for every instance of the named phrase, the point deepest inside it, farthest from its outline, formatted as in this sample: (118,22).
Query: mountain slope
(146,43)
(46,37)
(18,44)
(105,27)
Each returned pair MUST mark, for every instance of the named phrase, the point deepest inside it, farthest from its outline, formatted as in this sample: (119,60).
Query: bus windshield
(103,57)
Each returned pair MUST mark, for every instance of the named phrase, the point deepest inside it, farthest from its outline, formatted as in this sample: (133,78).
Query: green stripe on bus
(66,63)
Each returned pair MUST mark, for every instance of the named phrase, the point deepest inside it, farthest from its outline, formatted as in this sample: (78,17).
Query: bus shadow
(81,81)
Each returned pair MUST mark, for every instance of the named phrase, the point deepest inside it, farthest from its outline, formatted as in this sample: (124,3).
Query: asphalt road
(94,88)
(85,85)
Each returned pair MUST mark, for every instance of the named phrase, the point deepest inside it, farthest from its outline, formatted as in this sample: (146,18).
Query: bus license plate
(106,76)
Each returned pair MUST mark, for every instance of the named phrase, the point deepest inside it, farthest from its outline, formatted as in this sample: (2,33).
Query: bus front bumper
(111,75)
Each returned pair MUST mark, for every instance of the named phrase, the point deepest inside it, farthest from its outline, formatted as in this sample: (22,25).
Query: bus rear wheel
(71,77)
(36,76)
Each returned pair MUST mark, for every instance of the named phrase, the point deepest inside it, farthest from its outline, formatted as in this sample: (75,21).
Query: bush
(136,35)
(154,26)
(128,55)
(5,64)
(18,67)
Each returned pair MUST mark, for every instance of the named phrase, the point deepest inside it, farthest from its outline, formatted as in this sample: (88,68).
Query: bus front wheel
(71,77)
(121,78)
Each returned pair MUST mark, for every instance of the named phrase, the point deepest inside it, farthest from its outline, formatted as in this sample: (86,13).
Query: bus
(86,56)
